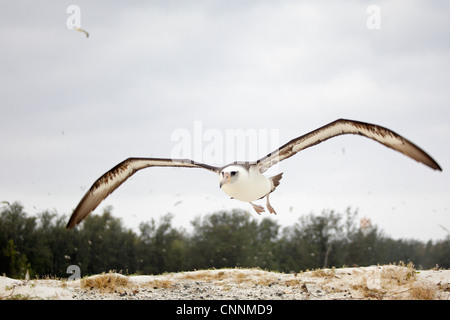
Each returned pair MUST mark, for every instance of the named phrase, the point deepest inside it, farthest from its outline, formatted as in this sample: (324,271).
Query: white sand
(375,282)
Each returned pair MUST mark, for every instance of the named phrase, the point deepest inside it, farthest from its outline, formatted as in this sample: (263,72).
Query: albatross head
(230,174)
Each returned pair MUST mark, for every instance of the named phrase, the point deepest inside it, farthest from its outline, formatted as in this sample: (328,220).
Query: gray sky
(73,107)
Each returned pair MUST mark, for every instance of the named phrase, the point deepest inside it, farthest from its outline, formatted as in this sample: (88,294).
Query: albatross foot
(271,209)
(257,208)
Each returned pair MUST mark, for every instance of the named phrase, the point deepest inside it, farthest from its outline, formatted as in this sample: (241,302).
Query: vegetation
(42,246)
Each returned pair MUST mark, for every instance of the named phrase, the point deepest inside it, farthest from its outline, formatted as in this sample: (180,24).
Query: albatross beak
(226,179)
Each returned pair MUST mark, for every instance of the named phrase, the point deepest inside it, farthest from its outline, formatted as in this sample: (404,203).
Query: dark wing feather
(342,126)
(112,179)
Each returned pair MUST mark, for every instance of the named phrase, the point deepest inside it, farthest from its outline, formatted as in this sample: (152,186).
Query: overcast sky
(72,107)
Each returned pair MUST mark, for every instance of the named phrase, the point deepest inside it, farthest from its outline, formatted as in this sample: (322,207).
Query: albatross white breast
(245,181)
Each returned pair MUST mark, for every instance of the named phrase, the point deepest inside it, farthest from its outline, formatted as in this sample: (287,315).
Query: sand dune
(374,282)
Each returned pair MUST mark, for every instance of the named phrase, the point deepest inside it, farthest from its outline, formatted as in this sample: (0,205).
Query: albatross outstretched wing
(342,126)
(112,179)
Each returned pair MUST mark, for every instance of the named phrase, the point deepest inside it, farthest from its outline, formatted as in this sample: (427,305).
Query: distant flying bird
(82,30)
(6,202)
(245,180)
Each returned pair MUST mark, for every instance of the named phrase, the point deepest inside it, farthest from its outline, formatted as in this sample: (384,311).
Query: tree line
(41,245)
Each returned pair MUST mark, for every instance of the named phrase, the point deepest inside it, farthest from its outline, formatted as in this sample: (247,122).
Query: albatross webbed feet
(269,207)
(257,208)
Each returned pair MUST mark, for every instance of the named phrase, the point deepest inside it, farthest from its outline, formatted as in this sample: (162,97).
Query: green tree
(312,239)
(161,247)
(104,244)
(17,240)
(18,262)
(224,240)
(267,246)
(42,245)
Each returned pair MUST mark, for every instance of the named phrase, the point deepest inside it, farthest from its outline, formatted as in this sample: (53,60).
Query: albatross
(245,181)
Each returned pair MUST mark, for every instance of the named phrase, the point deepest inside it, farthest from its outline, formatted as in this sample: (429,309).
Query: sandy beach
(390,282)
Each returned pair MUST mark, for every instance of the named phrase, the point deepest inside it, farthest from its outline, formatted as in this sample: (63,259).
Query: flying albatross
(245,180)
